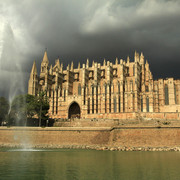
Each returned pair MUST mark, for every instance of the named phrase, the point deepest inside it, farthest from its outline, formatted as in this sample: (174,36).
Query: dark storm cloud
(75,30)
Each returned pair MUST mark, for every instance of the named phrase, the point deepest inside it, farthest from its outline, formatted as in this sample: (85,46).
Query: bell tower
(44,64)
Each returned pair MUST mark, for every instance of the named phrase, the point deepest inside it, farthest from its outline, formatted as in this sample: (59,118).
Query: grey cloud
(75,30)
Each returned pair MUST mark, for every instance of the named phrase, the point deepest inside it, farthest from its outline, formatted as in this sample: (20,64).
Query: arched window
(88,105)
(64,95)
(166,91)
(131,87)
(84,95)
(49,92)
(114,104)
(119,103)
(147,88)
(109,98)
(79,89)
(118,88)
(97,99)
(141,104)
(92,99)
(147,104)
(92,90)
(175,94)
(60,92)
(53,103)
(133,70)
(93,105)
(57,101)
(105,98)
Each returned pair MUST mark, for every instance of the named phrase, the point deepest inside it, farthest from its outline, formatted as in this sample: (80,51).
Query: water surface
(67,164)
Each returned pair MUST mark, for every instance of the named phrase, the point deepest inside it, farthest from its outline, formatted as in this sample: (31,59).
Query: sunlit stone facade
(112,90)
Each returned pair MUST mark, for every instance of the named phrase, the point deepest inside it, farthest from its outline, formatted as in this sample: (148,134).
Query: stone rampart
(140,119)
(140,115)
(54,137)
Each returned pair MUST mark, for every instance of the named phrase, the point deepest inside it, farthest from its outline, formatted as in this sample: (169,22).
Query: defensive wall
(128,117)
(122,136)
(140,115)
(115,119)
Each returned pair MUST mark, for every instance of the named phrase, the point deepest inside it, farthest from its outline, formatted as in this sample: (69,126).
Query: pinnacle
(104,63)
(51,69)
(58,63)
(34,69)
(45,58)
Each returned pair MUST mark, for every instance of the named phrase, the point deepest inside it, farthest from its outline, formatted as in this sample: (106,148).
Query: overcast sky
(76,30)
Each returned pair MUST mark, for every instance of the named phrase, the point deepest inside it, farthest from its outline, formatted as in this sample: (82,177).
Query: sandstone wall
(144,119)
(146,137)
(35,136)
(130,116)
(113,137)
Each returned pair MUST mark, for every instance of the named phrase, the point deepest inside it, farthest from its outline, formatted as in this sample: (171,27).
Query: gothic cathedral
(113,91)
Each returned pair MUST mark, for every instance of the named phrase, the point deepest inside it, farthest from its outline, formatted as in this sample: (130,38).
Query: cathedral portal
(74,111)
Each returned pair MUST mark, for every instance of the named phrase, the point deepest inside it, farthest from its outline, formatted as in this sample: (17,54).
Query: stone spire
(44,63)
(116,61)
(58,64)
(121,61)
(87,63)
(147,65)
(34,69)
(51,70)
(33,80)
(93,63)
(45,58)
(67,67)
(79,65)
(136,57)
(142,58)
(104,63)
(128,59)
(72,66)
(61,69)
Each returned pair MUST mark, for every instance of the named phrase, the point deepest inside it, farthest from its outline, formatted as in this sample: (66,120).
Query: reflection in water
(89,165)
(26,150)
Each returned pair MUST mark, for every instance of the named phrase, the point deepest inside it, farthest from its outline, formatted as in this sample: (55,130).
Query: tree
(4,108)
(30,105)
(42,107)
(22,108)
(18,115)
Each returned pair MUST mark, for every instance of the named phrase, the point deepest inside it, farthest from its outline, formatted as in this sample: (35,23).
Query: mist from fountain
(11,75)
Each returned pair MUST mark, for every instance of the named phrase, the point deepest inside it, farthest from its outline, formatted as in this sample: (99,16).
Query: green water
(88,164)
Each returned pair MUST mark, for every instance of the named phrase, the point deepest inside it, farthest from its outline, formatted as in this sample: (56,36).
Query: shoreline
(92,147)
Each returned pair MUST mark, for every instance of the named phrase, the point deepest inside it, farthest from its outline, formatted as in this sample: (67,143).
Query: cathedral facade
(112,90)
